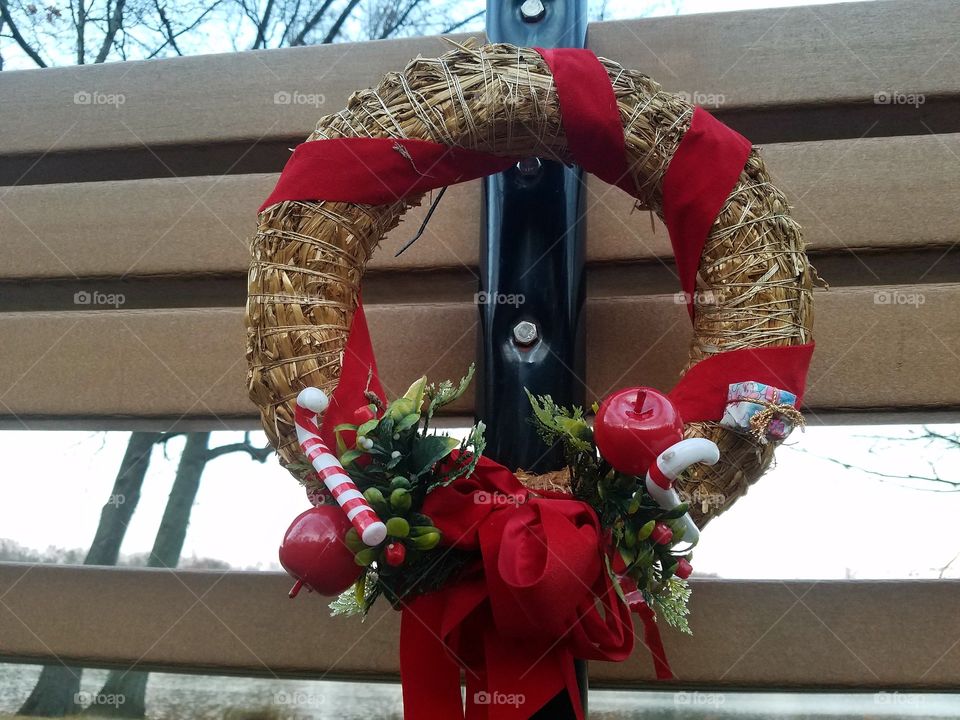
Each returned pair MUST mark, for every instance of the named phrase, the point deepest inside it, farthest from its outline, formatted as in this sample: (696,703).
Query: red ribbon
(516,620)
(377,171)
(358,374)
(701,394)
(703,171)
(591,117)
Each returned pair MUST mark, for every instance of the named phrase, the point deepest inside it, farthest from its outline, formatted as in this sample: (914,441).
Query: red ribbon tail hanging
(430,678)
(654,643)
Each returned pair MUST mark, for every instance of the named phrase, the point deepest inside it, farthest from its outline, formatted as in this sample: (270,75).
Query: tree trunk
(130,686)
(55,693)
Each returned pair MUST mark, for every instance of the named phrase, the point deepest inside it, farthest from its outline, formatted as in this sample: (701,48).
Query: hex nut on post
(529,166)
(525,333)
(532,11)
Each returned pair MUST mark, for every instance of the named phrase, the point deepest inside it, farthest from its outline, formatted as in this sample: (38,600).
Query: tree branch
(387,32)
(255,453)
(114,22)
(187,28)
(261,40)
(461,23)
(289,25)
(335,30)
(168,29)
(953,485)
(81,24)
(953,440)
(311,23)
(17,37)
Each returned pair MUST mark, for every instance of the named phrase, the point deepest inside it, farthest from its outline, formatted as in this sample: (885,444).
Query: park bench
(142,179)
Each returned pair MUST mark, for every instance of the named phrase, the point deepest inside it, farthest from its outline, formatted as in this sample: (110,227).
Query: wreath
(478,556)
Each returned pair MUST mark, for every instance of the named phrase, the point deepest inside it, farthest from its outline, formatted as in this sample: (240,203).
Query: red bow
(516,620)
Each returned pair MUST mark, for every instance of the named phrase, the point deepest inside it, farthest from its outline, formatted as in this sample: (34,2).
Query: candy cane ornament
(667,468)
(311,402)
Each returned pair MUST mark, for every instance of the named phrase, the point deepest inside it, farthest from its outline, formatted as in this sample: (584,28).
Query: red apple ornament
(314,552)
(633,426)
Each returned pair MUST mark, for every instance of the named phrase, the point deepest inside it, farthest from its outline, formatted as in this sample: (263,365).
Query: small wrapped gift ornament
(767,412)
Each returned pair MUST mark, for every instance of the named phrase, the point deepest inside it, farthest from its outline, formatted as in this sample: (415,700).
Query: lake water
(176,697)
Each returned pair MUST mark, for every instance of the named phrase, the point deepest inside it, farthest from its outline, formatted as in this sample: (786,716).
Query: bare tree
(54,695)
(95,31)
(290,23)
(167,548)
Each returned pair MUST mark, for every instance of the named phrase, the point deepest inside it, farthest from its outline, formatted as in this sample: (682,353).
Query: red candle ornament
(314,552)
(684,568)
(635,425)
(662,534)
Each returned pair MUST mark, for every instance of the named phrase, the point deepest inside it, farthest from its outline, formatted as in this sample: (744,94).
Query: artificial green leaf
(430,450)
(349,456)
(394,461)
(386,427)
(446,393)
(347,603)
(415,393)
(678,512)
(401,407)
(367,426)
(644,557)
(574,427)
(671,604)
(614,580)
(407,422)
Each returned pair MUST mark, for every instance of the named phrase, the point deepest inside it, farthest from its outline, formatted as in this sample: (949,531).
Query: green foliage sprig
(625,508)
(396,460)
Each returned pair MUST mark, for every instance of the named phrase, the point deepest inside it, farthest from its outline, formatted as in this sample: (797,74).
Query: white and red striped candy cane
(667,468)
(311,402)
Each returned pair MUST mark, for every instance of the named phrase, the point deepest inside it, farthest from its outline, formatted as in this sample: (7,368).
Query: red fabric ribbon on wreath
(515,621)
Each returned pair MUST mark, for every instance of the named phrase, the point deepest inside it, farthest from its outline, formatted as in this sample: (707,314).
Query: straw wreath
(308,258)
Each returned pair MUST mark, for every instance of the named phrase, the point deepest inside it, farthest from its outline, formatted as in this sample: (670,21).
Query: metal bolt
(529,166)
(525,333)
(532,11)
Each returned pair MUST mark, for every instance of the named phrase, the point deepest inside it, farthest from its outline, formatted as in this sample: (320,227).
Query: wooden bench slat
(839,633)
(876,194)
(798,57)
(68,364)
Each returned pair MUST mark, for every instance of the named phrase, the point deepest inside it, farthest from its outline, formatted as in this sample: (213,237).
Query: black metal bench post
(532,279)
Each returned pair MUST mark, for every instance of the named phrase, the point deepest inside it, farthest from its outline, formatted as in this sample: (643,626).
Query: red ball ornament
(395,553)
(633,426)
(662,534)
(314,552)
(684,568)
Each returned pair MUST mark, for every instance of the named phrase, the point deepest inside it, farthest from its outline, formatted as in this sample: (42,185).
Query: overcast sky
(807,518)
(224,34)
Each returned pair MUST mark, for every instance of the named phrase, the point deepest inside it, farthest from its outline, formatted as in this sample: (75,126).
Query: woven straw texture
(754,282)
